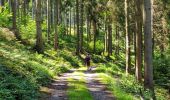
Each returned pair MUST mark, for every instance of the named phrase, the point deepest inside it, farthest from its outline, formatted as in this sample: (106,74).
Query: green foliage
(114,86)
(12,88)
(61,29)
(23,72)
(162,70)
(28,31)
(5,17)
(99,47)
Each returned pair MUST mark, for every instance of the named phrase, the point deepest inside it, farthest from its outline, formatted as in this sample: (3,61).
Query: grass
(115,88)
(77,88)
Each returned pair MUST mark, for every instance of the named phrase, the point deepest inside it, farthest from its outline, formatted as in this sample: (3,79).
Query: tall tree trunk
(48,20)
(128,60)
(88,26)
(70,20)
(148,72)
(106,36)
(56,25)
(74,11)
(95,33)
(2,3)
(109,39)
(14,19)
(78,33)
(33,8)
(39,40)
(81,29)
(139,21)
(24,11)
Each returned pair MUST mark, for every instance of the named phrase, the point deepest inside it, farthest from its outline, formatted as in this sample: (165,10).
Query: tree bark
(14,19)
(81,29)
(78,33)
(139,22)
(48,20)
(56,25)
(148,72)
(109,39)
(39,40)
(128,60)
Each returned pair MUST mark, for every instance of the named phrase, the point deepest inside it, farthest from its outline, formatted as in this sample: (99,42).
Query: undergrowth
(23,71)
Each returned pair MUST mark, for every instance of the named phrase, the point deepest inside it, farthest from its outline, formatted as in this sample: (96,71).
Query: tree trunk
(128,60)
(70,21)
(33,8)
(74,11)
(109,39)
(139,22)
(56,25)
(39,40)
(78,33)
(148,72)
(14,19)
(48,20)
(95,33)
(81,29)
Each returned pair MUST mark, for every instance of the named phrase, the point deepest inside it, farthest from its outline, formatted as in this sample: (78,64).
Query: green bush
(99,47)
(162,70)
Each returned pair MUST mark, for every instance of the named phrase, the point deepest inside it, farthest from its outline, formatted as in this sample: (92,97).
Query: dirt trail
(58,88)
(98,90)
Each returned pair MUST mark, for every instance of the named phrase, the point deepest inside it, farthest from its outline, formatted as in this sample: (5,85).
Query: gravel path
(98,90)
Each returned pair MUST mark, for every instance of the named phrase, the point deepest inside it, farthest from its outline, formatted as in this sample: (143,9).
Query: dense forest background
(126,38)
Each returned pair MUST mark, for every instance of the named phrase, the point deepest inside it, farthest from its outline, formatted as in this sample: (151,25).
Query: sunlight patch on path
(97,89)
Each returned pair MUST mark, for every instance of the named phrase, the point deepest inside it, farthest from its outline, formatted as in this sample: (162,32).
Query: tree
(48,19)
(56,25)
(78,32)
(81,28)
(148,73)
(39,39)
(128,60)
(14,19)
(139,40)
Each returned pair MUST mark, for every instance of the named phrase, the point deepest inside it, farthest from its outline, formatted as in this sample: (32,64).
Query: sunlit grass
(114,87)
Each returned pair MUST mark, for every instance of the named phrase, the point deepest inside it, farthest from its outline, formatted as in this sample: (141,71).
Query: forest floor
(63,88)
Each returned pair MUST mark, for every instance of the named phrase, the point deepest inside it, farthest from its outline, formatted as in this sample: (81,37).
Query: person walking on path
(87,61)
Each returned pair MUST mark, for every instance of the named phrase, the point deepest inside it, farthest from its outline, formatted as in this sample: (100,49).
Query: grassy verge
(115,88)
(125,87)
(77,88)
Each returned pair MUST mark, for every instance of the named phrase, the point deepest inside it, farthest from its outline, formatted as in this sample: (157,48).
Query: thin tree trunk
(81,29)
(95,33)
(70,20)
(74,11)
(109,39)
(88,27)
(33,8)
(48,20)
(14,19)
(78,33)
(56,25)
(139,22)
(128,60)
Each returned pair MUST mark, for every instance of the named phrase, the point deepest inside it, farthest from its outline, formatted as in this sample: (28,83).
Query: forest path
(59,89)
